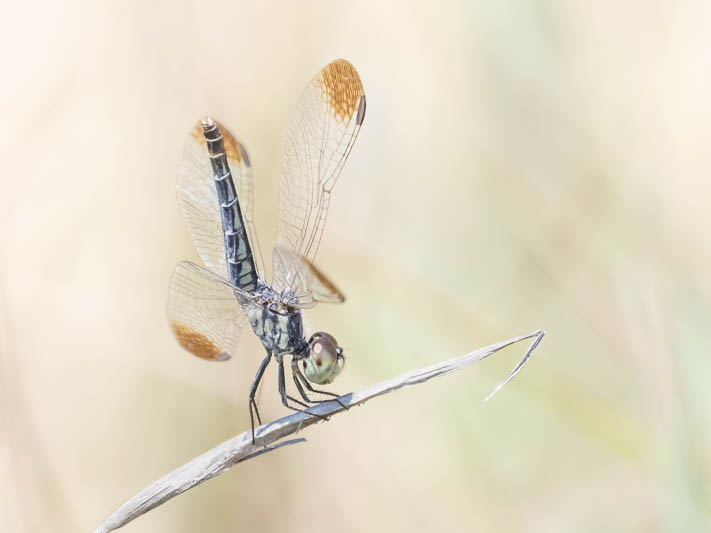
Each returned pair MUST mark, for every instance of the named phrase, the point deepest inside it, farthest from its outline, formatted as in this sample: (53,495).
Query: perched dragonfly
(209,307)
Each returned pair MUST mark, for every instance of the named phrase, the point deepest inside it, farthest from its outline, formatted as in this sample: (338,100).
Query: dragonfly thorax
(277,322)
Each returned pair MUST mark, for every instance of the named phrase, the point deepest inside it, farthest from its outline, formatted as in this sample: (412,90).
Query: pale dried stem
(240,448)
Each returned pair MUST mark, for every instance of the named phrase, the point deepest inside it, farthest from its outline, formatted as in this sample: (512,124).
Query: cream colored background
(522,165)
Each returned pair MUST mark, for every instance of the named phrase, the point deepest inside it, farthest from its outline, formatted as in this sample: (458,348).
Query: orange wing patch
(340,87)
(197,343)
(326,284)
(233,149)
(198,135)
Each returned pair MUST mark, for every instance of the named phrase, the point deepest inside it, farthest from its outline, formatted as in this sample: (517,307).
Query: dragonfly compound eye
(325,360)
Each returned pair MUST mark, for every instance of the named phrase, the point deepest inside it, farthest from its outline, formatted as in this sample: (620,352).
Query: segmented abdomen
(238,252)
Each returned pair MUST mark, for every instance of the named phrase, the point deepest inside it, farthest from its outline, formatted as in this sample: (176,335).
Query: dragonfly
(210,306)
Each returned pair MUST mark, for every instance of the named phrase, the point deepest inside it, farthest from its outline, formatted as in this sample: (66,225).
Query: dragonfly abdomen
(238,252)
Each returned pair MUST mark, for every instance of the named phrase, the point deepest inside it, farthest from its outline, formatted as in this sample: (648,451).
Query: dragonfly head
(325,360)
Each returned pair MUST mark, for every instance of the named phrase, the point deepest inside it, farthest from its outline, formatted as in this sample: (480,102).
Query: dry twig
(240,448)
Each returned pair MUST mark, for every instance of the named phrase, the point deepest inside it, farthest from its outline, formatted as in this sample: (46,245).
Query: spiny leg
(282,390)
(285,397)
(298,385)
(297,381)
(253,392)
(300,379)
(297,372)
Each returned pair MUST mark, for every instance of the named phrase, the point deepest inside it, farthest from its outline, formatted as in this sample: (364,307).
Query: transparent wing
(197,197)
(204,313)
(297,275)
(318,141)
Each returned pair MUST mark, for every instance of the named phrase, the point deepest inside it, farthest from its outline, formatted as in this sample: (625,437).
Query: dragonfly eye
(325,360)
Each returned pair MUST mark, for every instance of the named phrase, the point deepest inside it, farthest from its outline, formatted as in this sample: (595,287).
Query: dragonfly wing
(204,312)
(197,197)
(318,141)
(297,275)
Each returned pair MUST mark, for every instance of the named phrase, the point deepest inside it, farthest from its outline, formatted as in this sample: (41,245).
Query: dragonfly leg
(253,391)
(300,379)
(285,397)
(299,387)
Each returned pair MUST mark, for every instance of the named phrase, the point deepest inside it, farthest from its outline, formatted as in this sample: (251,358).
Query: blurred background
(522,165)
